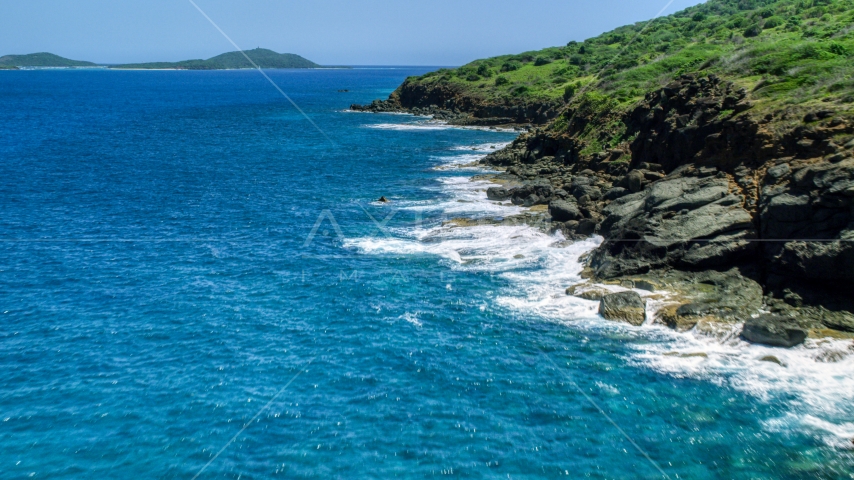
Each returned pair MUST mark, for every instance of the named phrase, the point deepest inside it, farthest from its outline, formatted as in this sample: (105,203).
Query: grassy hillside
(41,60)
(233,60)
(784,51)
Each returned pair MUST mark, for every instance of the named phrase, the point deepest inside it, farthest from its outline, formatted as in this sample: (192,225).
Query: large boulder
(590,191)
(634,181)
(686,222)
(563,211)
(624,306)
(530,195)
(774,331)
(497,193)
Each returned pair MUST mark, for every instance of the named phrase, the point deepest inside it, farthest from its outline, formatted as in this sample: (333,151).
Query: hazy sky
(365,32)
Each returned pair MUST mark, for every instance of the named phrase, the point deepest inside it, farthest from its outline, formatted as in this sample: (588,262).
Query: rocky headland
(720,182)
(738,217)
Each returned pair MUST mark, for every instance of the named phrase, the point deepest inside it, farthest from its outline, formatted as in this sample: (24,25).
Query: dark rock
(670,224)
(615,193)
(624,306)
(816,203)
(534,194)
(383,200)
(594,193)
(497,193)
(531,200)
(634,181)
(779,171)
(586,227)
(563,211)
(773,330)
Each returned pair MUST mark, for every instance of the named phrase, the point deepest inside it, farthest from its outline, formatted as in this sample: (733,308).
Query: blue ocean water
(194,280)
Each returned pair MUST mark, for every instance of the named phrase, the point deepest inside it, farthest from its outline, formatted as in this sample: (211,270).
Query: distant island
(262,57)
(42,59)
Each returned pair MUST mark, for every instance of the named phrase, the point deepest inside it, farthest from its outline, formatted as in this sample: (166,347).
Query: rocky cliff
(713,150)
(703,184)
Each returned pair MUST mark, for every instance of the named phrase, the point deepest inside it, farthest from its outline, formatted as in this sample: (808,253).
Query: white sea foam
(411,318)
(482,148)
(815,380)
(466,160)
(462,197)
(415,126)
(432,125)
(400,114)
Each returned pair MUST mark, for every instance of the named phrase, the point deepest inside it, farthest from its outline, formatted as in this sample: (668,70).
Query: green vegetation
(40,60)
(232,60)
(783,51)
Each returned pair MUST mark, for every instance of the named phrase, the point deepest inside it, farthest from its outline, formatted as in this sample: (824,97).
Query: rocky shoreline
(742,218)
(445,103)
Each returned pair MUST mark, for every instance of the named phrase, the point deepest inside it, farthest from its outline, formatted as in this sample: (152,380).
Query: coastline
(503,237)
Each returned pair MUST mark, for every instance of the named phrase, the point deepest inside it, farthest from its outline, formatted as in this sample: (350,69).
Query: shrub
(736,22)
(473,77)
(752,31)
(837,49)
(510,66)
(499,81)
(576,60)
(569,91)
(484,71)
(773,22)
(540,61)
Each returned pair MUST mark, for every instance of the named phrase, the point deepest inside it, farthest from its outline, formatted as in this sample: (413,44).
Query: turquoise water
(176,247)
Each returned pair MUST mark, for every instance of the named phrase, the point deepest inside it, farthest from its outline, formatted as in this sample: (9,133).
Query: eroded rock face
(810,205)
(624,306)
(774,331)
(687,222)
(677,123)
